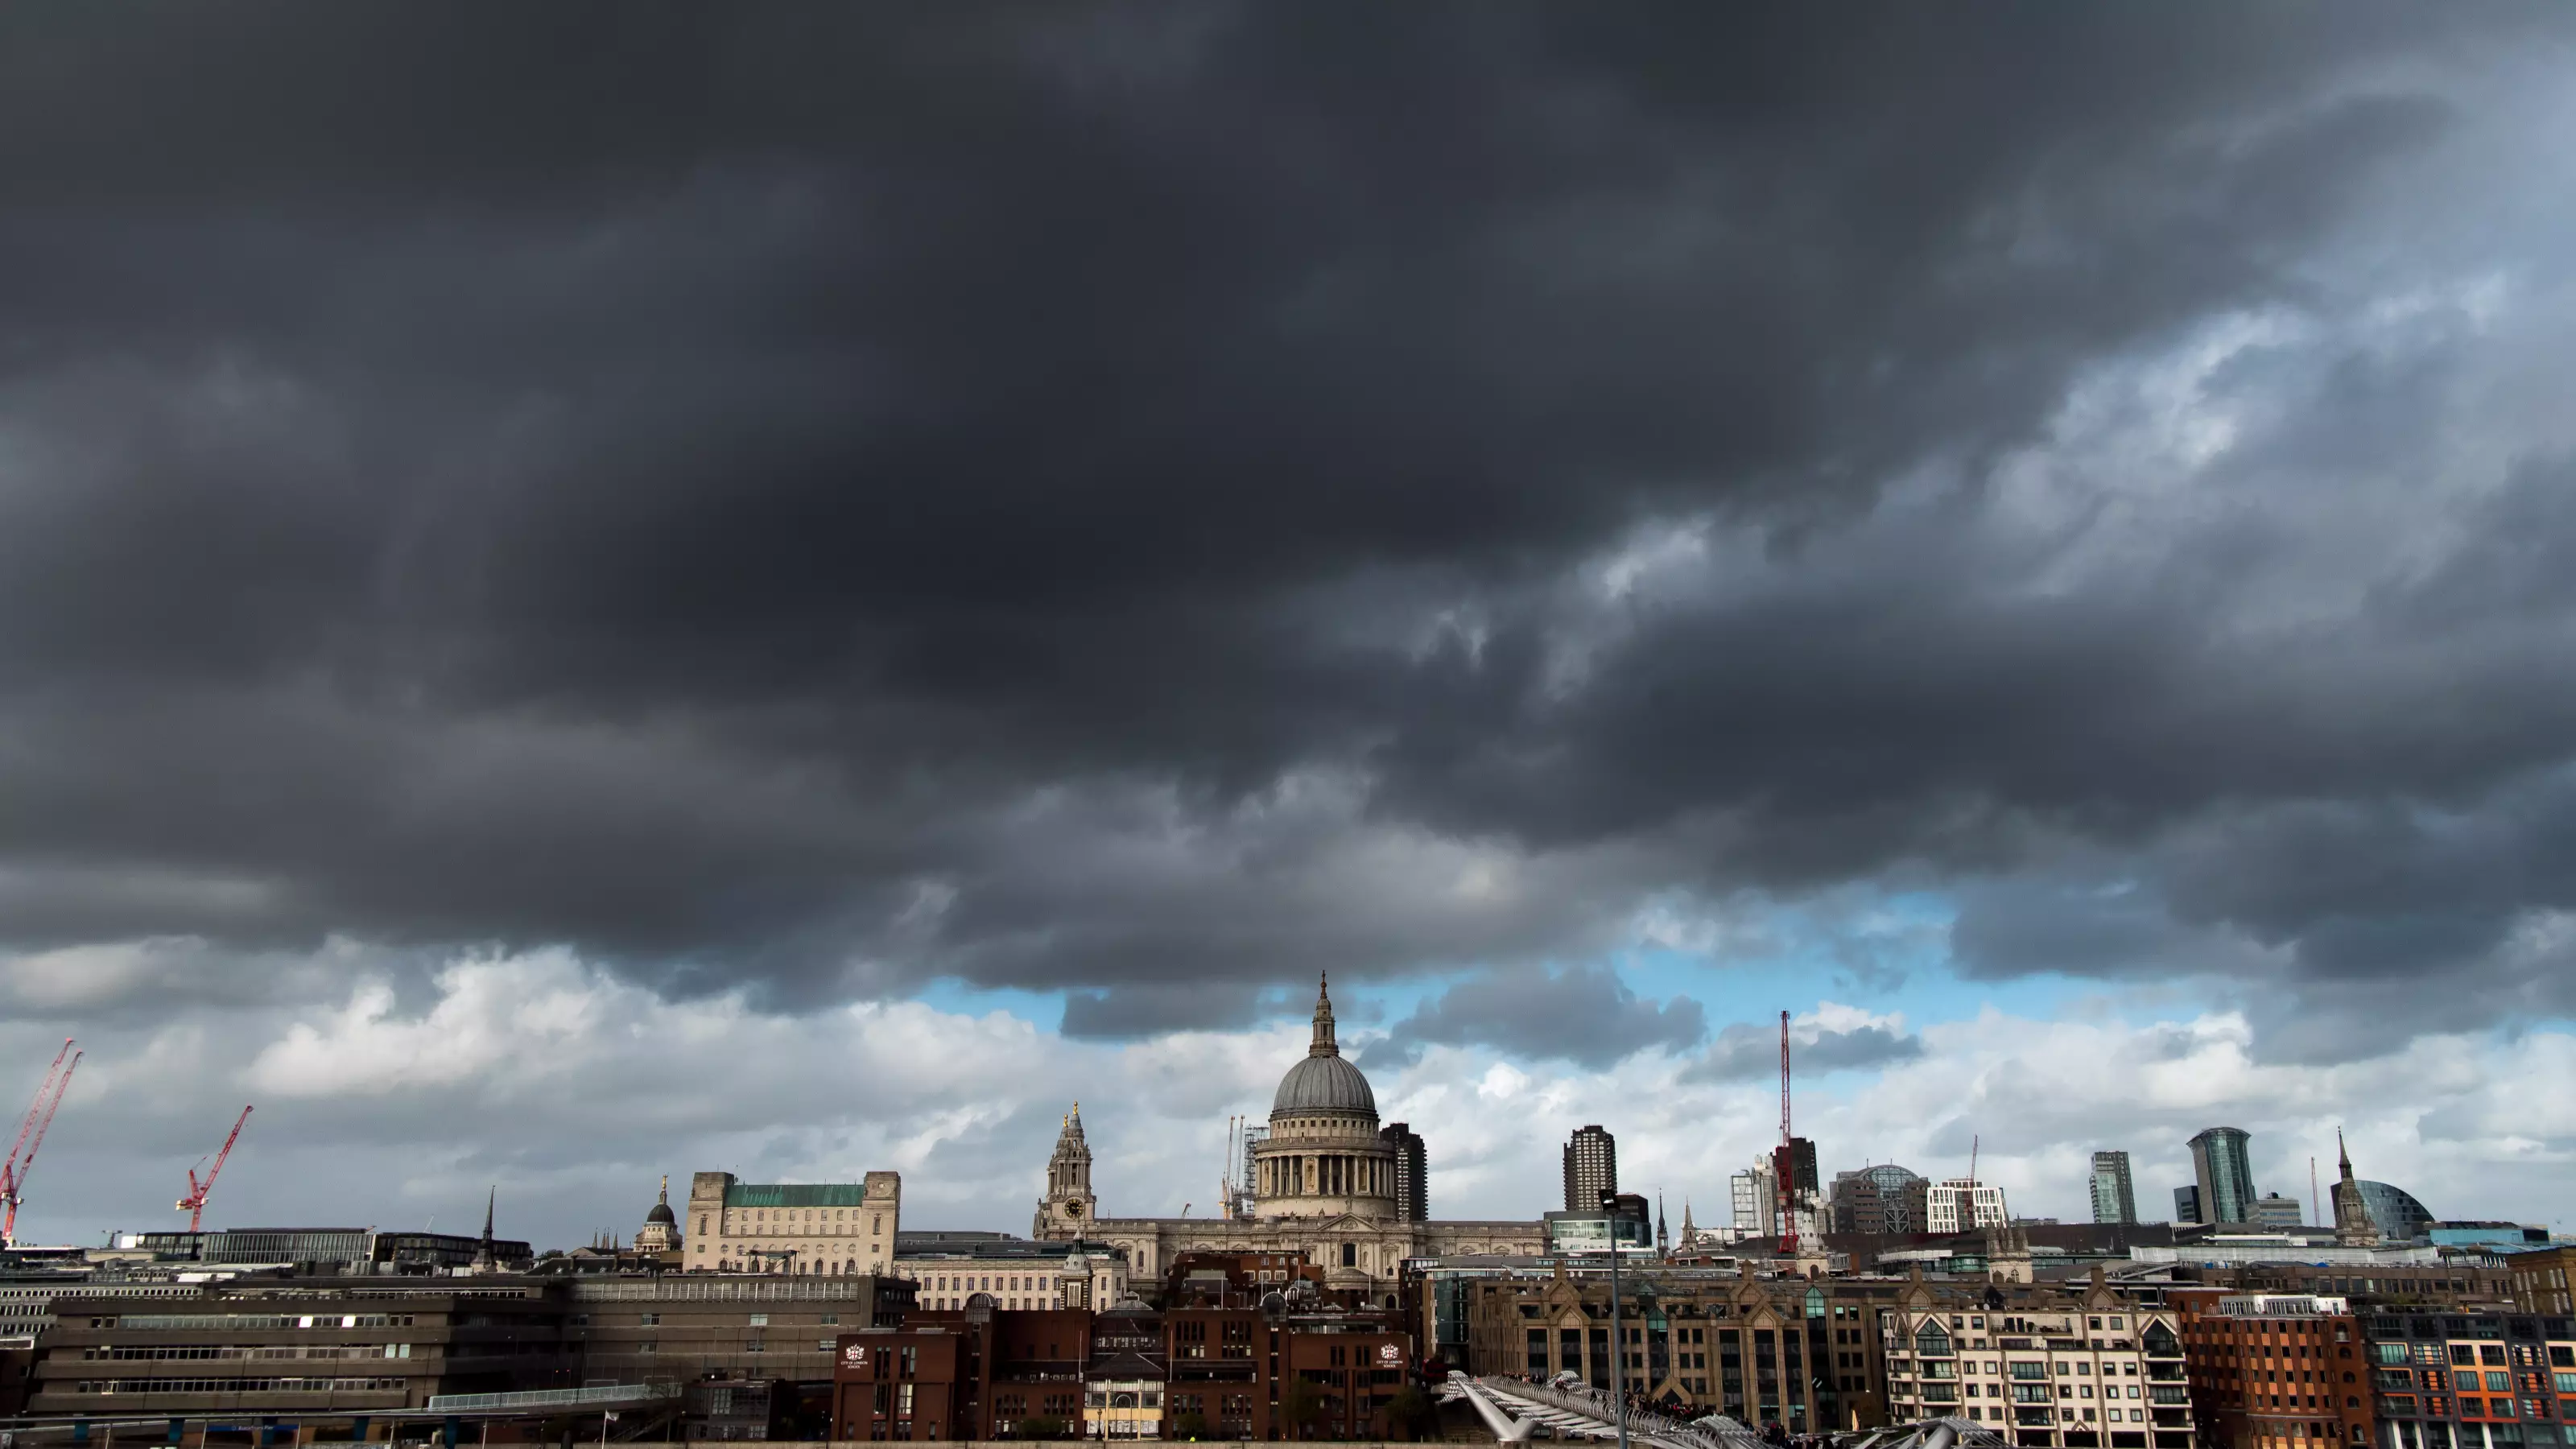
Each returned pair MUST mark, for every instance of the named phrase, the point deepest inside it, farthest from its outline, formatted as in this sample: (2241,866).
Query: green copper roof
(796,1194)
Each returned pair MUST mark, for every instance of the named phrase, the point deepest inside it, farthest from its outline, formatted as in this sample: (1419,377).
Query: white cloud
(574,1090)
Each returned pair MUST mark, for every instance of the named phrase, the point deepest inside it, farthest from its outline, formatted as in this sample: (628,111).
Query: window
(760,1320)
(651,1320)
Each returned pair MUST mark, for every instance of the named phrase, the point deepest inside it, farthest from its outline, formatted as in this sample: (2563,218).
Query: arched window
(1932,1342)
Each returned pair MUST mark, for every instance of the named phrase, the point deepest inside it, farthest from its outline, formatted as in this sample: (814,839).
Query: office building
(1591,1168)
(1126,1372)
(2393,1211)
(1802,1153)
(2187,1205)
(631,1328)
(2272,1210)
(1018,1273)
(1412,1172)
(341,1350)
(2115,1196)
(1756,1201)
(1882,1199)
(805,1228)
(1947,1206)
(2225,1175)
(2540,1281)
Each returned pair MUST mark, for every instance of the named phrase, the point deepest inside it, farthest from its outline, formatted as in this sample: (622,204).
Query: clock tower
(1069,1207)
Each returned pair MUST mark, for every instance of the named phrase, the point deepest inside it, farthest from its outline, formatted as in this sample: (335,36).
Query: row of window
(255,1320)
(237,1386)
(252,1351)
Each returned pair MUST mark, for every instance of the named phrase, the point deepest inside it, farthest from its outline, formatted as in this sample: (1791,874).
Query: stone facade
(818,1228)
(2075,1368)
(1327,1188)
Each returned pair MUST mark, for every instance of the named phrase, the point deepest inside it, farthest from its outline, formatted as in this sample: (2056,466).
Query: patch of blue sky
(963,998)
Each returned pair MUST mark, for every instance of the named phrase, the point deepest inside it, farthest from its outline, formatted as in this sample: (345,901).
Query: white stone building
(814,1228)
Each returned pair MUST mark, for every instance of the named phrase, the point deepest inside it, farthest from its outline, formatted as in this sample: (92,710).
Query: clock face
(1073,1209)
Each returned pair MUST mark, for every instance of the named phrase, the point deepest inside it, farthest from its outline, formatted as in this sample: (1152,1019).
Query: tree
(1301,1403)
(1192,1425)
(1040,1426)
(1412,1414)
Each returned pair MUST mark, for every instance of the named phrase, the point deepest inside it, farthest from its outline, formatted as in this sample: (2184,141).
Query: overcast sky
(592,591)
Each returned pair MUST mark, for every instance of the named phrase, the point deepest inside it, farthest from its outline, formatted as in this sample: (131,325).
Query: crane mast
(1784,1160)
(31,1135)
(194,1204)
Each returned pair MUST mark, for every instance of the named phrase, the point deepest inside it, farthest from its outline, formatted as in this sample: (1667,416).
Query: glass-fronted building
(2115,1196)
(2225,1170)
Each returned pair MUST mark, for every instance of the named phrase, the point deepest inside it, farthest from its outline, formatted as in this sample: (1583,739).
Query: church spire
(2343,1155)
(1323,1045)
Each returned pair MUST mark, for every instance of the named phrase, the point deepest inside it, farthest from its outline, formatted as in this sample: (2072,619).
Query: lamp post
(1618,1334)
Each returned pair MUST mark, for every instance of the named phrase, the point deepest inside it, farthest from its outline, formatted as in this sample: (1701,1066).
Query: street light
(1618,1334)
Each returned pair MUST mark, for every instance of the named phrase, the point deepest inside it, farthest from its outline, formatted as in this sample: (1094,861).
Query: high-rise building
(1412,1172)
(1802,1151)
(2115,1197)
(2186,1205)
(2226,1175)
(1757,1203)
(1947,1206)
(1591,1168)
(2272,1210)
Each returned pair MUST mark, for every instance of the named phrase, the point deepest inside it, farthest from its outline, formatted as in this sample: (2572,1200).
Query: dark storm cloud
(1584,1014)
(1744,1052)
(1102,497)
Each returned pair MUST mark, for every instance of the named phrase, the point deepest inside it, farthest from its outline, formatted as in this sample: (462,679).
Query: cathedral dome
(1325,1081)
(1324,1084)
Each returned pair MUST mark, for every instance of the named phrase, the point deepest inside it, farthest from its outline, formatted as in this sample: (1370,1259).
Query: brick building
(1128,1373)
(2276,1371)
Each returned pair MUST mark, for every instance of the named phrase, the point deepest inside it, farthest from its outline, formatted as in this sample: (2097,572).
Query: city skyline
(856,577)
(1474,1170)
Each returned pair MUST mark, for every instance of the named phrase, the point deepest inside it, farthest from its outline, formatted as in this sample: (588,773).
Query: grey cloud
(819,501)
(1744,1052)
(1584,1014)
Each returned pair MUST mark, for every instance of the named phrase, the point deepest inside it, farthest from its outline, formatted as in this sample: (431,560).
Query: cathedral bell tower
(1069,1207)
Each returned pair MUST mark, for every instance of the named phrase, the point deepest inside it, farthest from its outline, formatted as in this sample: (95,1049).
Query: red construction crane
(31,1135)
(194,1204)
(1784,1158)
